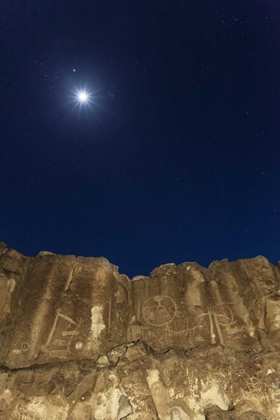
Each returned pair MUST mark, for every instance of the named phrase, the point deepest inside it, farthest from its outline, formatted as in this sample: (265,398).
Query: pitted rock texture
(81,341)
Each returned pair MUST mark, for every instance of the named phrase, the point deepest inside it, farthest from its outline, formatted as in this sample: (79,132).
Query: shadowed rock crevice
(80,340)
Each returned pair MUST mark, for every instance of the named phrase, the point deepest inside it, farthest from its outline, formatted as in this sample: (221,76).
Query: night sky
(174,155)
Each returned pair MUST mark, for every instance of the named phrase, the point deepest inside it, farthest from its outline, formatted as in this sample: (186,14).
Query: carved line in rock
(159,311)
(215,322)
(63,351)
(25,346)
(55,323)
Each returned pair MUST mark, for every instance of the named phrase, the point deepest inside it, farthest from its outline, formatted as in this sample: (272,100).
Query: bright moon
(83,96)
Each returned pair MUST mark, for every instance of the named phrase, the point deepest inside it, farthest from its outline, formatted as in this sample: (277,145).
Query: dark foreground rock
(81,341)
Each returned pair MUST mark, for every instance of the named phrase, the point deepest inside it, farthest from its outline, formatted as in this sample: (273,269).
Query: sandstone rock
(81,341)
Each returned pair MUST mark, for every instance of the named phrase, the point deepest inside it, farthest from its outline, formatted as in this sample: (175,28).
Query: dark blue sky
(178,157)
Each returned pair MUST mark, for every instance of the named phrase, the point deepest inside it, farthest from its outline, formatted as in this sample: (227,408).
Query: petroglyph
(70,333)
(134,332)
(61,354)
(251,385)
(25,346)
(217,320)
(60,343)
(166,334)
(171,333)
(65,317)
(69,279)
(142,349)
(159,310)
(66,299)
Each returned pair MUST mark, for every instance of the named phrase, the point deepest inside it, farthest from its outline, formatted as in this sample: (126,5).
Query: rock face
(78,340)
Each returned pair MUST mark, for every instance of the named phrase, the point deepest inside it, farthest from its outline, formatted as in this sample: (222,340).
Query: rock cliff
(78,340)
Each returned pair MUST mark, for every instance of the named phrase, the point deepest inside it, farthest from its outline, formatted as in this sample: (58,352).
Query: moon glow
(83,96)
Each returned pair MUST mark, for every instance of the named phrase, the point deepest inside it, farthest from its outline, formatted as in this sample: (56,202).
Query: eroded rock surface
(81,341)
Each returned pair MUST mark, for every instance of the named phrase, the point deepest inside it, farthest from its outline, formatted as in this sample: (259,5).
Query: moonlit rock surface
(81,341)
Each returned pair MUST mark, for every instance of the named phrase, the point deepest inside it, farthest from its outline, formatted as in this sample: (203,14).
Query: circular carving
(25,347)
(159,310)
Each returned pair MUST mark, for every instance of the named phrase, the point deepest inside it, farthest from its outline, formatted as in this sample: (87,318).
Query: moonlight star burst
(83,96)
